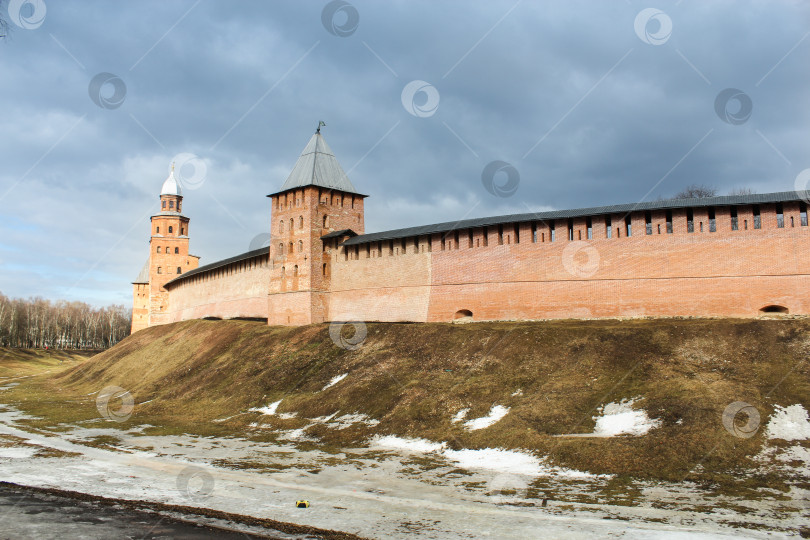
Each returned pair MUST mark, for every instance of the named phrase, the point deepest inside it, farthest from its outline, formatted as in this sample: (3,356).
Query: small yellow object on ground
(302,504)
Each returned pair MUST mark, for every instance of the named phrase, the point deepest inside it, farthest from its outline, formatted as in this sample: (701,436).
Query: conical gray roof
(143,277)
(318,166)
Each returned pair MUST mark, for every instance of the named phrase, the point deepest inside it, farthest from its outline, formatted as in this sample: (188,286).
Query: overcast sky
(585,103)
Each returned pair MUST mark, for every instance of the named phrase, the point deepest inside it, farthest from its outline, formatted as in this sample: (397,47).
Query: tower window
(669,221)
(157,230)
(608,227)
(171,229)
(589,226)
(648,222)
(712,221)
(780,216)
(300,222)
(628,226)
(325,221)
(160,270)
(570,229)
(295,271)
(179,270)
(534,231)
(735,225)
(300,246)
(176,250)
(757,218)
(164,204)
(803,214)
(552,234)
(182,231)
(281,226)
(158,249)
(324,269)
(690,220)
(171,204)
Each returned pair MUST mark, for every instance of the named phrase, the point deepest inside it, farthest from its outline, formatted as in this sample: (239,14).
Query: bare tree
(696,191)
(38,322)
(741,191)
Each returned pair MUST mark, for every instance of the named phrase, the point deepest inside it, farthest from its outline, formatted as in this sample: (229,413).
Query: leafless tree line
(37,322)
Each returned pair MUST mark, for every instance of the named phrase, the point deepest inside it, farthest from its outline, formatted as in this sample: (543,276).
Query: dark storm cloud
(569,94)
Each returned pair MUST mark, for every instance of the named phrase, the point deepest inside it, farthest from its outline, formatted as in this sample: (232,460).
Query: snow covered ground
(397,488)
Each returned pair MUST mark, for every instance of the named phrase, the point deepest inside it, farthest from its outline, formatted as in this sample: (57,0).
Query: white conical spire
(171,186)
(318,166)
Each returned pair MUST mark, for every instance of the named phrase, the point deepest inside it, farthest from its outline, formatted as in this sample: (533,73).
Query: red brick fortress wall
(514,271)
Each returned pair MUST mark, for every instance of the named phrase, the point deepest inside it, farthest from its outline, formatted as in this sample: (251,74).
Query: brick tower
(316,200)
(168,257)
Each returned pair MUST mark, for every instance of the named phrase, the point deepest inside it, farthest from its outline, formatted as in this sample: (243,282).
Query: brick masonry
(506,272)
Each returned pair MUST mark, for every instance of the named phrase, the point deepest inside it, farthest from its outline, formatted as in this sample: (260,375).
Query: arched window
(325,221)
(171,204)
(164,204)
(158,249)
(295,271)
(178,270)
(463,314)
(774,309)
(157,230)
(171,229)
(291,248)
(283,272)
(182,229)
(300,246)
(281,226)
(300,222)
(324,269)
(177,250)
(160,270)
(292,225)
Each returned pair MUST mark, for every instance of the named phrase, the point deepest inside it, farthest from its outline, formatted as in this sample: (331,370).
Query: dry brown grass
(414,377)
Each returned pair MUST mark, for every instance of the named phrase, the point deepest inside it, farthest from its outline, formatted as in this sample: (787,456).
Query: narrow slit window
(534,232)
(552,231)
(570,230)
(628,226)
(500,235)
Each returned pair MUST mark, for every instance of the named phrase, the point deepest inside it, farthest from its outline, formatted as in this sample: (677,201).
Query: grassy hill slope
(414,378)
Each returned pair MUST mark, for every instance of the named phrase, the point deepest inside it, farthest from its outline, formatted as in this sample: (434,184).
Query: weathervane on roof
(320,123)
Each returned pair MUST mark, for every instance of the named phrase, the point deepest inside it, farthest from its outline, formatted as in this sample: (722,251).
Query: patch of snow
(460,415)
(325,419)
(409,445)
(269,409)
(347,420)
(336,379)
(518,392)
(621,419)
(287,415)
(18,452)
(495,414)
(510,461)
(789,424)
